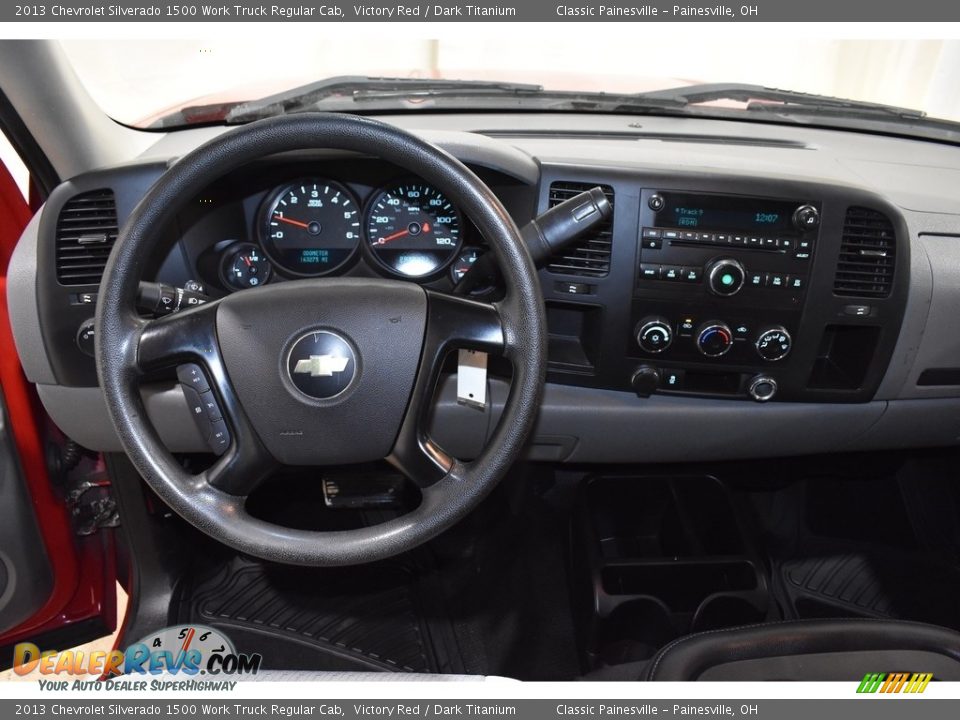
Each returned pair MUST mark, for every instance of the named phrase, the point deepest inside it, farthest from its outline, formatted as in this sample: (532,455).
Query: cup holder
(635,630)
(664,557)
(724,611)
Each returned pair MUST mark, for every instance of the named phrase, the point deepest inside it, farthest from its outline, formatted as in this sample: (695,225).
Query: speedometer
(413,230)
(311,227)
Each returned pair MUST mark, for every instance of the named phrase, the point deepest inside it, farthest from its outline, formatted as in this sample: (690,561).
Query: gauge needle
(290,221)
(388,238)
(383,241)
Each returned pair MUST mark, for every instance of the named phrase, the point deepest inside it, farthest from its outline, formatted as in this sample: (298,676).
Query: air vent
(867,255)
(589,256)
(86,231)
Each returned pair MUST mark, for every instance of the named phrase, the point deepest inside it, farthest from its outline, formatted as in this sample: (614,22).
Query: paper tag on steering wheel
(472,378)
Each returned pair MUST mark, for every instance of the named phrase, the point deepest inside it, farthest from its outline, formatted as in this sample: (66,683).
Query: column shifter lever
(547,234)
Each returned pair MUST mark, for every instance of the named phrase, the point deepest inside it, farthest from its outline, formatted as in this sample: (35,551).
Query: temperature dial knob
(714,339)
(725,277)
(774,343)
(654,334)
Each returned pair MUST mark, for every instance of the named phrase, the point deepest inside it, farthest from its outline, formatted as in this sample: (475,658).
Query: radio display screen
(725,212)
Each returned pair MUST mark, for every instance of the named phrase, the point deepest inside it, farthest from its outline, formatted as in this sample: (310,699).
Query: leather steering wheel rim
(128,347)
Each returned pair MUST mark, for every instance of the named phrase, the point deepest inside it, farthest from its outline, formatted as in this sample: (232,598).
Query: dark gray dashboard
(908,393)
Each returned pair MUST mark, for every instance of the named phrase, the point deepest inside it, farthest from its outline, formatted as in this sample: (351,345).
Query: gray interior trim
(41,84)
(23,307)
(587,425)
(934,341)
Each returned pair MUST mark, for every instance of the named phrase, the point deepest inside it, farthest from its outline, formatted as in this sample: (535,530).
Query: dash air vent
(86,231)
(867,255)
(590,256)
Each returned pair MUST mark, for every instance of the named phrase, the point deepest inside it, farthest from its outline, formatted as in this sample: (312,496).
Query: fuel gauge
(245,266)
(462,265)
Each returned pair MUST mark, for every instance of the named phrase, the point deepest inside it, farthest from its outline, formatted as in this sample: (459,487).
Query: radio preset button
(651,233)
(649,271)
(671,272)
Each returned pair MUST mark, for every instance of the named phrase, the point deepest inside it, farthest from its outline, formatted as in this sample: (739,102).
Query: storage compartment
(663,557)
(574,334)
(844,356)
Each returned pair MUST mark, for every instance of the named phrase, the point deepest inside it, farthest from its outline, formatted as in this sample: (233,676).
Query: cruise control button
(193,376)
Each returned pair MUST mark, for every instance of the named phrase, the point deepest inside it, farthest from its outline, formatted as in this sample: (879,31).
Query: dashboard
(759,291)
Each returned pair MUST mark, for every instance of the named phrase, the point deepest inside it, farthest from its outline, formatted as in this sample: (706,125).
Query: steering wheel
(379,343)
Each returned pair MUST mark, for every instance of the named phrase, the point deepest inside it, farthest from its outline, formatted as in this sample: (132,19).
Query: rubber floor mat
(372,617)
(852,582)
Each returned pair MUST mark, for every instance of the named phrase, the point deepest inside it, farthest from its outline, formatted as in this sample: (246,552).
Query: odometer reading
(413,230)
(311,227)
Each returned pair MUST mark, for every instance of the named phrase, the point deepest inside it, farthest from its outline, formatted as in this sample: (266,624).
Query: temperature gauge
(245,266)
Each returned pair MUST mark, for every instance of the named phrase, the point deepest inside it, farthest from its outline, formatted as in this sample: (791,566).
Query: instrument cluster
(314,226)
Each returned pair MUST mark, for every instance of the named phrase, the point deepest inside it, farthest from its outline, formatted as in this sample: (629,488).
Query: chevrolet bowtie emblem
(322,365)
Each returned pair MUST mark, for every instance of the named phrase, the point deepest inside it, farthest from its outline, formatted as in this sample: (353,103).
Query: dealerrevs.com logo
(892,683)
(188,650)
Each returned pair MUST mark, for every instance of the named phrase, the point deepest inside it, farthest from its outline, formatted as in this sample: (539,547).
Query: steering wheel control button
(321,365)
(806,217)
(774,344)
(654,335)
(192,376)
(726,277)
(219,439)
(762,388)
(714,339)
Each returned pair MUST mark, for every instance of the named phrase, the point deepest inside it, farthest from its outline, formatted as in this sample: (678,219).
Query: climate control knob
(654,334)
(774,343)
(725,277)
(714,339)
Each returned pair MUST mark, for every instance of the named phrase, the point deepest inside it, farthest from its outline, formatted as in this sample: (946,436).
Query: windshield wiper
(766,99)
(354,87)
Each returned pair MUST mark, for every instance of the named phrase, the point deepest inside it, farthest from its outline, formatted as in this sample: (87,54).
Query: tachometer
(311,227)
(413,230)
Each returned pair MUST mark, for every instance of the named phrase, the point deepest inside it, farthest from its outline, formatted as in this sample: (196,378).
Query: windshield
(183,82)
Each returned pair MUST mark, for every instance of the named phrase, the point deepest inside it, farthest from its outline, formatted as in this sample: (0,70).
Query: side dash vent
(86,230)
(589,256)
(867,255)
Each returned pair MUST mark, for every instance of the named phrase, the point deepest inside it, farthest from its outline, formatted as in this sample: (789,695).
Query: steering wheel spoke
(452,322)
(188,340)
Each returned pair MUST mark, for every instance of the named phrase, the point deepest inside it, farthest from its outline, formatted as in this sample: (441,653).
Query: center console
(723,279)
(730,288)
